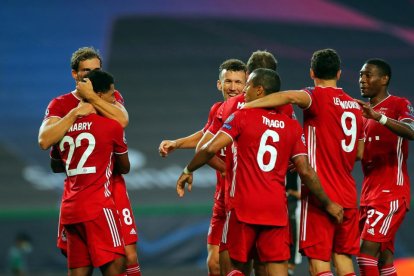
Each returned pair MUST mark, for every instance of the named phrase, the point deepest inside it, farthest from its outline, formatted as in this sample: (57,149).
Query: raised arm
(201,158)
(311,180)
(115,111)
(404,128)
(298,97)
(188,142)
(53,129)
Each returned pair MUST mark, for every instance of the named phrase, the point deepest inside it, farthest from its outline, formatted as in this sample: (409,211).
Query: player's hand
(85,88)
(184,178)
(84,109)
(166,147)
(367,110)
(336,211)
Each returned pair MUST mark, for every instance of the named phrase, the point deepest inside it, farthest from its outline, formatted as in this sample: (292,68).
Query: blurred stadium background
(165,57)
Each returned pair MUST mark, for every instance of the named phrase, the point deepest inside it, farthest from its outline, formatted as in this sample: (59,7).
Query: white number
(371,213)
(348,131)
(80,169)
(263,148)
(127,216)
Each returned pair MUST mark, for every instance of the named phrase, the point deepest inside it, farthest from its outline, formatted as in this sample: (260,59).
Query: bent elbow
(43,144)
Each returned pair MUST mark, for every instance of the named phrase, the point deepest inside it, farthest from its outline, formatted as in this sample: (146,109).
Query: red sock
(235,273)
(368,265)
(133,270)
(325,273)
(388,270)
(350,274)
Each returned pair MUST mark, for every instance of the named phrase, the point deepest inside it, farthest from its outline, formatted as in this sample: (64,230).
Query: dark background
(165,57)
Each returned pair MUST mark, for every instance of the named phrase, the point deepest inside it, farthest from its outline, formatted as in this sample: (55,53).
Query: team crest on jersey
(47,112)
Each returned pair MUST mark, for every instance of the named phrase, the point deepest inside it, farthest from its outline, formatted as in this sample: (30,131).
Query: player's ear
(99,94)
(219,86)
(260,90)
(385,79)
(75,75)
(311,73)
(338,74)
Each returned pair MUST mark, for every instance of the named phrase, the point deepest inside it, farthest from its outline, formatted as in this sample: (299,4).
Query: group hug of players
(252,139)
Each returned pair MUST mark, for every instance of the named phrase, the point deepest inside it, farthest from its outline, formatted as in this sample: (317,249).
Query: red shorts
(95,242)
(271,242)
(380,222)
(320,236)
(123,205)
(217,221)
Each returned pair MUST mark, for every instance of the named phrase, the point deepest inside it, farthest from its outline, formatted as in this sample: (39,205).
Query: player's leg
(81,271)
(346,243)
(317,232)
(213,264)
(78,258)
(276,268)
(128,226)
(115,267)
(386,263)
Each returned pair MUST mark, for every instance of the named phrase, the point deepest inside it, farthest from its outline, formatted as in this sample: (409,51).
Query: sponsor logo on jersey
(133,232)
(411,110)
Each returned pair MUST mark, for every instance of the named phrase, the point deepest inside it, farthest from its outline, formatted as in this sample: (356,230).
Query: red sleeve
(118,97)
(217,122)
(234,123)
(299,147)
(406,110)
(54,109)
(120,146)
(211,115)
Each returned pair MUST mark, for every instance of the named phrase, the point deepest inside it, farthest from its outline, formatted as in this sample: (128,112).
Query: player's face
(85,67)
(370,81)
(231,83)
(109,96)
(250,90)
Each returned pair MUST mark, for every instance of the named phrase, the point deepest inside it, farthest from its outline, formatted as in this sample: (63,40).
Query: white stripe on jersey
(112,227)
(233,181)
(108,174)
(304,218)
(387,221)
(226,228)
(312,146)
(400,155)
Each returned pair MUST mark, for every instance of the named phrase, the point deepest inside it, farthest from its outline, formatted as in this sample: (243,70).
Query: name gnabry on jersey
(80,126)
(346,104)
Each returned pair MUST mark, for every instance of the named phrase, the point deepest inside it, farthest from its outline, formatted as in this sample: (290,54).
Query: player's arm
(56,163)
(188,142)
(122,165)
(115,111)
(404,128)
(298,97)
(53,129)
(201,158)
(311,180)
(360,149)
(215,162)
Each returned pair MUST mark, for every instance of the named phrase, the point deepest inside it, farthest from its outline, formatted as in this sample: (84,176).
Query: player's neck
(379,98)
(325,83)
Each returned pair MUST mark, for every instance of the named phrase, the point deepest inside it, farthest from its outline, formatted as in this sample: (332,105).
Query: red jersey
(87,151)
(333,126)
(60,106)
(236,103)
(385,155)
(212,115)
(264,141)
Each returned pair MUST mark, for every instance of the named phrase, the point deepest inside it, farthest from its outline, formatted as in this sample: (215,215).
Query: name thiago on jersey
(273,123)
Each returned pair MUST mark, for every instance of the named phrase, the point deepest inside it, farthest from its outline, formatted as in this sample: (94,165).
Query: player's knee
(131,257)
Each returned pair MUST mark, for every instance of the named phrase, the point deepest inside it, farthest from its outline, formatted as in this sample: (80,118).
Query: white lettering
(273,123)
(346,104)
(240,105)
(80,126)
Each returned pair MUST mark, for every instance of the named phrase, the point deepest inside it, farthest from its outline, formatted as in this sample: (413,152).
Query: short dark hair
(232,65)
(101,80)
(83,54)
(267,78)
(261,59)
(383,67)
(325,64)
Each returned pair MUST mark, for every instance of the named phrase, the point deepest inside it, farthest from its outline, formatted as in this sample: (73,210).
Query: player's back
(264,142)
(87,150)
(333,126)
